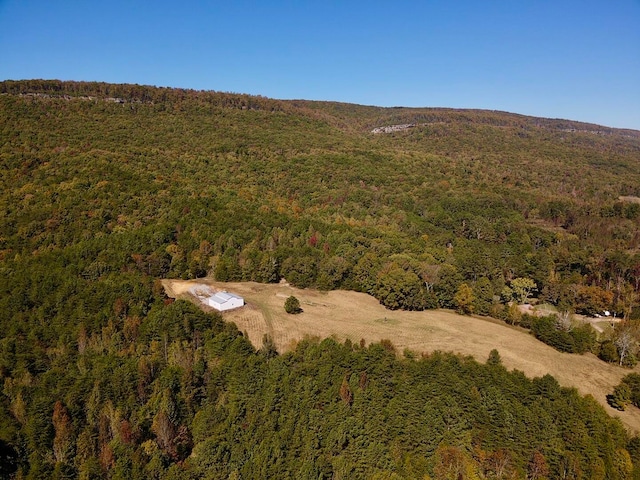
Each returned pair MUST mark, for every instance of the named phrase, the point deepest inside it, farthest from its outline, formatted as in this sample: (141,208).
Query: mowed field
(350,315)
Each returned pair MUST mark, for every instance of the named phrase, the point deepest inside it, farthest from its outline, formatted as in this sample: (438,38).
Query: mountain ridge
(71,89)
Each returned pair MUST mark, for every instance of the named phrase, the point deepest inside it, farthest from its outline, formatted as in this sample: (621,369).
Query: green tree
(483,293)
(522,289)
(494,358)
(365,272)
(506,295)
(622,464)
(269,349)
(449,279)
(300,270)
(400,289)
(608,352)
(584,338)
(292,305)
(268,269)
(620,397)
(627,391)
(332,272)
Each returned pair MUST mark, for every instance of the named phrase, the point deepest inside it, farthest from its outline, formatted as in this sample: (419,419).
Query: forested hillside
(105,189)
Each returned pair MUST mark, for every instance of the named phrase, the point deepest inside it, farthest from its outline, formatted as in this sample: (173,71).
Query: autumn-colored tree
(593,300)
(464,299)
(364,380)
(165,432)
(63,440)
(538,467)
(345,391)
(499,464)
(451,463)
(107,457)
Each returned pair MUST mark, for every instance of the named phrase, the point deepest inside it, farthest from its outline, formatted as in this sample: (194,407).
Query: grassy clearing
(355,316)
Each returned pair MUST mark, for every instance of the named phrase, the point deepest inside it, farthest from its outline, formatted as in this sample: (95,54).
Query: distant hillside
(359,114)
(489,194)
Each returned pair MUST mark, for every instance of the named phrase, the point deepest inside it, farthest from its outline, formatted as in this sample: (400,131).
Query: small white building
(224,301)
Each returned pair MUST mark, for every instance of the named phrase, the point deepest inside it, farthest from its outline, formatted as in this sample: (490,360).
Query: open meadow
(351,315)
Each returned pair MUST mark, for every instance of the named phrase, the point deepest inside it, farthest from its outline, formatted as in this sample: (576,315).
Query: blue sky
(571,59)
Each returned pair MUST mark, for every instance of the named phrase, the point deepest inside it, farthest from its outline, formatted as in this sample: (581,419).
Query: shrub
(608,352)
(620,397)
(292,305)
(627,391)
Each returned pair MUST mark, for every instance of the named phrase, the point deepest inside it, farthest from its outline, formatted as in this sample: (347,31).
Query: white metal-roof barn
(224,301)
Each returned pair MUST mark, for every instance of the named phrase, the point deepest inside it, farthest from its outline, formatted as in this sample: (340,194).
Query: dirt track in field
(355,316)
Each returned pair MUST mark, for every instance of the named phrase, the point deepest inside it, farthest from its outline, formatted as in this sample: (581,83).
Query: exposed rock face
(69,97)
(393,128)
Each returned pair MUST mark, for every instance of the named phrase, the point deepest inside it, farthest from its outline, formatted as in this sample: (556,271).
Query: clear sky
(578,60)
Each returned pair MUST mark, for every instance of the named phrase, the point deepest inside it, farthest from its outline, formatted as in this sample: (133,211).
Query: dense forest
(108,188)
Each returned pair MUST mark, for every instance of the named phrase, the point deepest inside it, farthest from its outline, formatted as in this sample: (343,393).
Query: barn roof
(223,297)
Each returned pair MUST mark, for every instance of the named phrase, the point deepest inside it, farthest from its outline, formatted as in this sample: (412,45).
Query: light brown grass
(355,316)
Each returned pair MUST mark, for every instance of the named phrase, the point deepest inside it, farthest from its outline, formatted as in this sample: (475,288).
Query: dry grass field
(355,316)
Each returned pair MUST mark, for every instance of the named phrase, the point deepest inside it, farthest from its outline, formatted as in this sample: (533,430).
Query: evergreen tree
(292,305)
